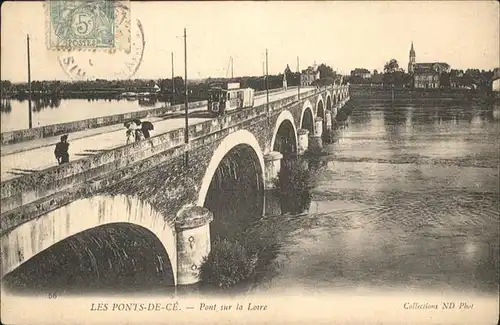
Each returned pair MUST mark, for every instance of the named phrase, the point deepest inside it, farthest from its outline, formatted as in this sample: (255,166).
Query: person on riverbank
(61,150)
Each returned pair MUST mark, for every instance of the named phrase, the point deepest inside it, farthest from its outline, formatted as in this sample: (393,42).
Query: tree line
(168,88)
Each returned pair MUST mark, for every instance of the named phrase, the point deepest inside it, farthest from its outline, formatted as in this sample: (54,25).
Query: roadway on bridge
(38,156)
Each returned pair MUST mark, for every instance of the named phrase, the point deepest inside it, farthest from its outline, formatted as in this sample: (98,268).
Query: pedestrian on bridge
(131,132)
(61,151)
(146,126)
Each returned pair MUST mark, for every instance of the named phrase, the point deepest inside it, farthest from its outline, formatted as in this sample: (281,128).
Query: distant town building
(309,75)
(361,72)
(411,61)
(426,75)
(495,85)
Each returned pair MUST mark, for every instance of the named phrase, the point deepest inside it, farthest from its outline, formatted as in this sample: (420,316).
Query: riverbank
(376,94)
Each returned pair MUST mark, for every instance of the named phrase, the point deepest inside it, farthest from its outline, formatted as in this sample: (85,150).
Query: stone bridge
(162,185)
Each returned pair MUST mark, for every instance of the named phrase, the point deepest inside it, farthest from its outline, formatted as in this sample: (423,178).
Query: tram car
(229,97)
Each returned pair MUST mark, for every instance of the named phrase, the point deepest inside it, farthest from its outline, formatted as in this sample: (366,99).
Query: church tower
(411,62)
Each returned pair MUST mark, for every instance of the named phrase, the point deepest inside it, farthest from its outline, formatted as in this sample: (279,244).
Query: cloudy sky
(344,35)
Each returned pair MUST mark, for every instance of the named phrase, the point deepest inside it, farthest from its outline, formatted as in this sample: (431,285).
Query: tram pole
(186,128)
(30,118)
(173,83)
(267,83)
(298,71)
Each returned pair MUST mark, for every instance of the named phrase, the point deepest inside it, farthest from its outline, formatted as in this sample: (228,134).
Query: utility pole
(173,84)
(267,82)
(298,71)
(29,83)
(186,130)
(232,74)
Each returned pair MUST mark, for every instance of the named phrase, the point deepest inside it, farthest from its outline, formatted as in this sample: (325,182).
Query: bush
(229,263)
(293,184)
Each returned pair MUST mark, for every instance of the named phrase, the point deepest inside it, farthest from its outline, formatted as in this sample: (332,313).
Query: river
(47,111)
(406,198)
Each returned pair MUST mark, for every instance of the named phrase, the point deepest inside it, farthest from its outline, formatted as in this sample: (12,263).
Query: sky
(344,35)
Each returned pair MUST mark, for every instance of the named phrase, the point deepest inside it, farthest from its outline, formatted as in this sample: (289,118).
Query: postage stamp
(88,24)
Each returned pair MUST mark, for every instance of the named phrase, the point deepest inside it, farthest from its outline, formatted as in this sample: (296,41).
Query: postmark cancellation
(88,24)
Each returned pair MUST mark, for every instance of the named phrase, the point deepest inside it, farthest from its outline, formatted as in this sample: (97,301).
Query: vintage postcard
(247,162)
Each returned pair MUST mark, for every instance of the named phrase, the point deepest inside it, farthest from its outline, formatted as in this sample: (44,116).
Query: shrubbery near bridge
(230,262)
(248,258)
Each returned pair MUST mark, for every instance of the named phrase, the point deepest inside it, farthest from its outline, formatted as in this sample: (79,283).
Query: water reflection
(5,106)
(45,102)
(53,110)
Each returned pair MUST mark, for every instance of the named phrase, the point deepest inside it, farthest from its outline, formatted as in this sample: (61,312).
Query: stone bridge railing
(271,91)
(98,171)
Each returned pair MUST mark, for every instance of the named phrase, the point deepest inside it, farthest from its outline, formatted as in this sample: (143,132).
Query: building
(361,72)
(495,85)
(309,75)
(428,74)
(411,61)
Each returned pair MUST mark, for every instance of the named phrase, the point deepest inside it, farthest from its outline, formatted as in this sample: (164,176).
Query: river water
(47,111)
(406,198)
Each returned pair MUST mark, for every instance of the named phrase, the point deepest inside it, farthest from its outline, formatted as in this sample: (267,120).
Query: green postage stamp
(88,24)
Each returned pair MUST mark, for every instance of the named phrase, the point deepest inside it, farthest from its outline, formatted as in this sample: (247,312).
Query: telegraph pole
(232,74)
(30,119)
(186,130)
(298,71)
(267,82)
(173,84)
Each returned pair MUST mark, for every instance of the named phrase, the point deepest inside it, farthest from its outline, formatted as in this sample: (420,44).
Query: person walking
(61,150)
(139,135)
(147,126)
(131,131)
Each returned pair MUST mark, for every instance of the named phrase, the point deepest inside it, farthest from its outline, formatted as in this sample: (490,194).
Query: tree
(444,80)
(325,71)
(391,66)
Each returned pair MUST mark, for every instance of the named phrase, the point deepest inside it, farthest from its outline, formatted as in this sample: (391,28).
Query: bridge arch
(33,237)
(307,117)
(241,137)
(285,126)
(233,185)
(329,102)
(320,105)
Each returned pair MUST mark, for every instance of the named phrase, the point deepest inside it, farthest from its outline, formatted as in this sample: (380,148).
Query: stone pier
(272,164)
(303,141)
(316,143)
(328,133)
(193,242)
(328,120)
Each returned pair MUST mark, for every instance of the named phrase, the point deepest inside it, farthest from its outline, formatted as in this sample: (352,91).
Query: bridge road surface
(16,162)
